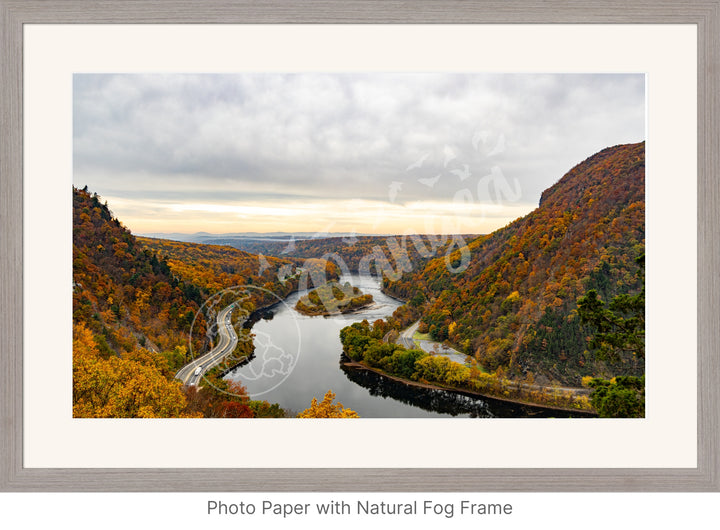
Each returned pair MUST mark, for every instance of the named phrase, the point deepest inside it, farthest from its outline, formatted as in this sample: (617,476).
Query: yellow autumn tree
(327,409)
(118,387)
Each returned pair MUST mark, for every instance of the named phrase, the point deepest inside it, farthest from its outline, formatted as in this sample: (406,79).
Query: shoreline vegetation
(333,298)
(559,393)
(364,346)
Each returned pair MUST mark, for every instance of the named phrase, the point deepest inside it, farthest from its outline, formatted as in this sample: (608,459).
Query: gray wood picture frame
(15,13)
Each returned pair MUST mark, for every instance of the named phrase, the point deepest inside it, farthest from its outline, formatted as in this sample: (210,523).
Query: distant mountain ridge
(351,252)
(206,237)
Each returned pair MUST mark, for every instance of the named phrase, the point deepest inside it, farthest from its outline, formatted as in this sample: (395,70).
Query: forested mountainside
(124,293)
(131,323)
(514,307)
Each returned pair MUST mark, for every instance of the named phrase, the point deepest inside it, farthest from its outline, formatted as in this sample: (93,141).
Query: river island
(333,298)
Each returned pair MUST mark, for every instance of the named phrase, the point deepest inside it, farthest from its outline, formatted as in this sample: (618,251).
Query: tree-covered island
(333,298)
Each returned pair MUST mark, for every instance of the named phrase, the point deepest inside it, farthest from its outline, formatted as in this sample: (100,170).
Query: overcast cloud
(226,152)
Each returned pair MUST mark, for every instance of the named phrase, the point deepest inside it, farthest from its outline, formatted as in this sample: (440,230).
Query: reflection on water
(297,358)
(444,401)
(425,398)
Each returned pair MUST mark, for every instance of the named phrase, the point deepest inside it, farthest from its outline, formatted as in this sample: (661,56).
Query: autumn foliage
(214,267)
(327,409)
(132,315)
(124,293)
(120,387)
(514,306)
(366,343)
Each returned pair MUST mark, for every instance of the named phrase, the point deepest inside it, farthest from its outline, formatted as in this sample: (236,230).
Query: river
(297,357)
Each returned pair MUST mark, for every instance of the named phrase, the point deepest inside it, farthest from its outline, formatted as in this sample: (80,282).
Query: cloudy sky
(365,153)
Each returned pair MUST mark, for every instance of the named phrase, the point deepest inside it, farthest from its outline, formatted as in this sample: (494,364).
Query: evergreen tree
(620,326)
(620,330)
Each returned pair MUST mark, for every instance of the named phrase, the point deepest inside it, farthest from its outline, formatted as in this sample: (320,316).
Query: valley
(493,325)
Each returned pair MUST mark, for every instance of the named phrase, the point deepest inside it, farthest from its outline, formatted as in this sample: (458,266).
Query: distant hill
(217,267)
(389,254)
(359,253)
(514,306)
(212,239)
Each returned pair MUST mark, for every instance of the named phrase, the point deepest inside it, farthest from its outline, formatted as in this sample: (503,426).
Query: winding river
(297,357)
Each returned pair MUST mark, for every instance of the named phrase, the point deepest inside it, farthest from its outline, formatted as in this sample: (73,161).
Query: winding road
(191,373)
(405,338)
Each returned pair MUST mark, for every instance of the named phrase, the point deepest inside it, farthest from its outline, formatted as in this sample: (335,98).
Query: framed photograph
(407,248)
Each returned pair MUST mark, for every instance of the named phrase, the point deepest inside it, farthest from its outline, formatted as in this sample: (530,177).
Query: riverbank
(259,313)
(346,361)
(397,298)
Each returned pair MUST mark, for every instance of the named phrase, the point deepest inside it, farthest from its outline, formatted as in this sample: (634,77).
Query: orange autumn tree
(327,409)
